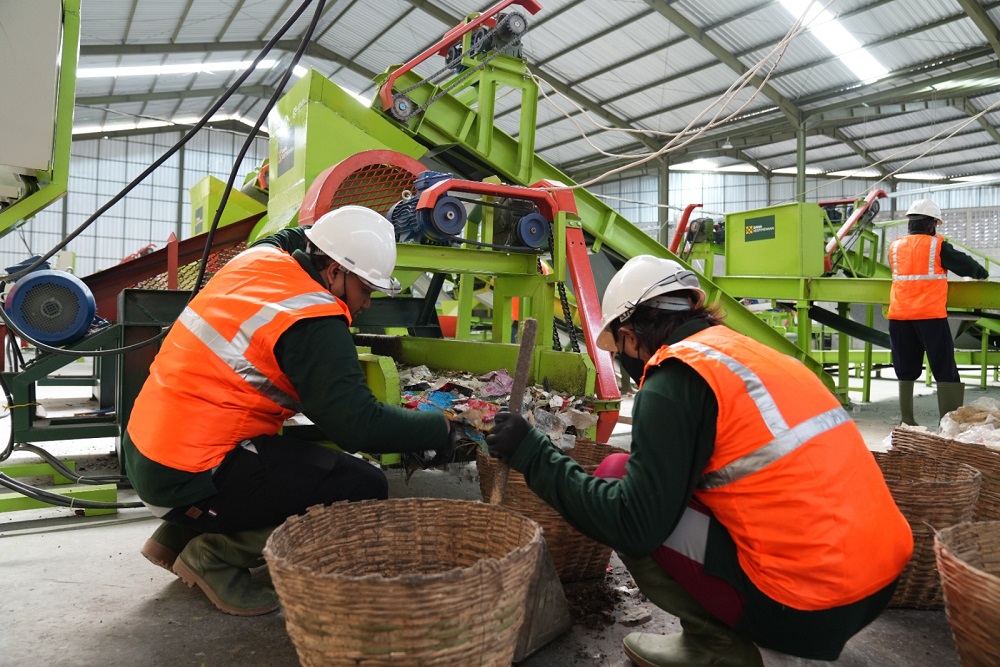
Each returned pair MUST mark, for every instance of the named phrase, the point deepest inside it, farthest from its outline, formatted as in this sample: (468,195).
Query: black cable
(230,91)
(9,447)
(50,498)
(66,471)
(225,195)
(303,43)
(57,499)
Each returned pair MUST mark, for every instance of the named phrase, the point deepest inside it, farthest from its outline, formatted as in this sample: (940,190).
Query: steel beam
(697,34)
(975,294)
(969,108)
(983,21)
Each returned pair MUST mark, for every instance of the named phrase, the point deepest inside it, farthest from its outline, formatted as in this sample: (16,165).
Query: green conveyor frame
(451,121)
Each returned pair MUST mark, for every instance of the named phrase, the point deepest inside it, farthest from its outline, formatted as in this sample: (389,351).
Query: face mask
(634,366)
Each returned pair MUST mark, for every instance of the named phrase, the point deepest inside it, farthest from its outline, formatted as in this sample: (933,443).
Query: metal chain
(464,75)
(568,316)
(564,300)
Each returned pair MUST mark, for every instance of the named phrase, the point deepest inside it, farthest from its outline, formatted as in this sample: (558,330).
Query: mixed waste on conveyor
(472,401)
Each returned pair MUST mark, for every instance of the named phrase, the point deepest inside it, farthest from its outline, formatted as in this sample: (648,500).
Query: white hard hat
(924,207)
(646,280)
(360,240)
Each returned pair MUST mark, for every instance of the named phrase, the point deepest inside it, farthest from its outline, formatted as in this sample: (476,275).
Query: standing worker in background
(266,338)
(918,318)
(749,506)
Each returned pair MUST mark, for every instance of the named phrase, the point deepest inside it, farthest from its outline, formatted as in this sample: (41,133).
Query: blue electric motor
(52,307)
(439,225)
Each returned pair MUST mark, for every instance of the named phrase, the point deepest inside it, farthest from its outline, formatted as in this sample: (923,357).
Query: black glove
(446,453)
(508,433)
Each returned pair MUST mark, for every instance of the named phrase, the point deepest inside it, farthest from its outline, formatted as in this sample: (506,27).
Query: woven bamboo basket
(576,557)
(968,557)
(932,494)
(980,457)
(416,581)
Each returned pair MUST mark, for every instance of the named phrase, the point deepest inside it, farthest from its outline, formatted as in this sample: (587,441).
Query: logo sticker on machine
(758,229)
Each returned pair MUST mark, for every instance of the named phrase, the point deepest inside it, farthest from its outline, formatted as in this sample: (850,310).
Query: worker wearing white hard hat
(748,506)
(918,318)
(268,336)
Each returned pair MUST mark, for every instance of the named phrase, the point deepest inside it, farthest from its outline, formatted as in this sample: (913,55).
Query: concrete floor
(77,592)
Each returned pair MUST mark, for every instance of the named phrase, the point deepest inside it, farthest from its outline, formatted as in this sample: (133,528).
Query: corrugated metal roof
(357,27)
(204,22)
(646,70)
(576,26)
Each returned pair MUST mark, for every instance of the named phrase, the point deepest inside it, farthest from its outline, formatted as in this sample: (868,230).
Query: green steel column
(866,381)
(663,216)
(800,164)
(984,341)
(843,360)
(804,326)
(180,194)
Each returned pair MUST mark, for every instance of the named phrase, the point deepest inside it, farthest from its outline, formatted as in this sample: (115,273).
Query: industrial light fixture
(728,145)
(160,70)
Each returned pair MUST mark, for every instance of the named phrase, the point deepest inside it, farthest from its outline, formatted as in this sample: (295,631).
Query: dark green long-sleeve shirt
(673,436)
(961,264)
(320,359)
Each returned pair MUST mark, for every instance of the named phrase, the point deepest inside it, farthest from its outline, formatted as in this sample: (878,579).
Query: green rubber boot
(165,543)
(705,640)
(906,402)
(219,564)
(950,396)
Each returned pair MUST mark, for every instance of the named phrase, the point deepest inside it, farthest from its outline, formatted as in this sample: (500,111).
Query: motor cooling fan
(53,307)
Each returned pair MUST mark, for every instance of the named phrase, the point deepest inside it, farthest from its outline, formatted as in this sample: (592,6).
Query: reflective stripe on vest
(931,256)
(233,353)
(785,440)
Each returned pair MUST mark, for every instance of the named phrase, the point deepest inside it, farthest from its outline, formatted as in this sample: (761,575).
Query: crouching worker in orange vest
(918,315)
(749,506)
(266,338)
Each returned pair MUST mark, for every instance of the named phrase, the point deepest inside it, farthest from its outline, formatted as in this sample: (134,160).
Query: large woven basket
(576,557)
(416,581)
(980,457)
(968,556)
(932,494)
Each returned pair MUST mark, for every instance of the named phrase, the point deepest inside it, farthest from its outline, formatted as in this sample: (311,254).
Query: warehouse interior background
(918,113)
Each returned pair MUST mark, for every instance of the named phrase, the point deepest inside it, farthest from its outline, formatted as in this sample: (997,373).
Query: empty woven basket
(932,494)
(575,556)
(968,557)
(417,581)
(980,457)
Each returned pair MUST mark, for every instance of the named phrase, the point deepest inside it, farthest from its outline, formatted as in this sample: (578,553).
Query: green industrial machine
(798,257)
(317,129)
(206,195)
(37,131)
(479,209)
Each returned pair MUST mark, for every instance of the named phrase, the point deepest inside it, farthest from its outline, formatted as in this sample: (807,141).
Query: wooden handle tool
(527,346)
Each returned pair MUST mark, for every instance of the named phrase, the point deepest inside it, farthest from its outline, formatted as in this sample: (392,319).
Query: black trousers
(910,339)
(276,478)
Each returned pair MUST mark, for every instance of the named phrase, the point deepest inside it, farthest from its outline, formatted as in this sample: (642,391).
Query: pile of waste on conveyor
(472,401)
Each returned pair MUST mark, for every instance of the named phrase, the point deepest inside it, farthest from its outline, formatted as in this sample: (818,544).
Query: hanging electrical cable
(307,35)
(57,499)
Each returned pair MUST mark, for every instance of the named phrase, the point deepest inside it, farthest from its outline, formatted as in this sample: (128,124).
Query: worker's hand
(446,453)
(508,433)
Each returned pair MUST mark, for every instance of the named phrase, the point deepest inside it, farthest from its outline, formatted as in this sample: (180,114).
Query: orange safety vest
(215,381)
(919,282)
(791,479)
